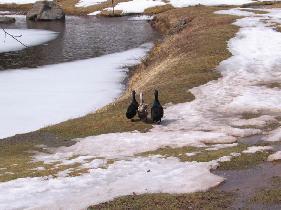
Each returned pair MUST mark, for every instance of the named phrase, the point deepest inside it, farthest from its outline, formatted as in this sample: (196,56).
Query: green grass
(203,156)
(244,161)
(270,195)
(207,201)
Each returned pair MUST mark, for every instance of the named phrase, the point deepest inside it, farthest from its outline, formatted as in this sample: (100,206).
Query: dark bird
(133,107)
(142,109)
(157,111)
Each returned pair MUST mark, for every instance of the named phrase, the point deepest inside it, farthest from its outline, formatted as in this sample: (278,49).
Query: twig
(13,36)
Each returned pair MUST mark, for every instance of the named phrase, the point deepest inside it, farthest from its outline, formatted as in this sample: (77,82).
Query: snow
(95,13)
(258,122)
(190,154)
(120,145)
(254,149)
(185,3)
(212,117)
(221,146)
(275,156)
(139,6)
(141,18)
(87,3)
(274,135)
(136,6)
(29,37)
(124,177)
(235,11)
(55,93)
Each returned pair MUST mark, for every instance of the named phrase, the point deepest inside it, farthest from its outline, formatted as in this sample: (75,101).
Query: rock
(45,11)
(7,20)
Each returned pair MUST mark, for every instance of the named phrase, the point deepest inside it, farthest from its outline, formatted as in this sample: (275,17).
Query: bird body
(157,111)
(133,107)
(142,109)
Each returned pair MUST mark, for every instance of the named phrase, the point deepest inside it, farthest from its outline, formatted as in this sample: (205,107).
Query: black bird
(157,111)
(133,107)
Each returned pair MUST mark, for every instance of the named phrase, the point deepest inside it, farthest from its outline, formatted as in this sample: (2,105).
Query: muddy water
(246,182)
(79,38)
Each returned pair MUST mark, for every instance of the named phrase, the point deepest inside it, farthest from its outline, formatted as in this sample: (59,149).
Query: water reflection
(80,38)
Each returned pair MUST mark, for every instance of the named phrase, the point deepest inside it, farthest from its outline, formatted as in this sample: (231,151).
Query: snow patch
(55,93)
(221,146)
(139,175)
(136,6)
(254,149)
(141,18)
(29,37)
(274,135)
(275,156)
(87,3)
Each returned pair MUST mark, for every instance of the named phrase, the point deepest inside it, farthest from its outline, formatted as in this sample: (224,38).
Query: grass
(271,195)
(158,9)
(202,156)
(244,161)
(208,200)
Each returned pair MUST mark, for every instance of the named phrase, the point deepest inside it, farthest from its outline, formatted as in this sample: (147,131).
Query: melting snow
(254,149)
(29,37)
(275,156)
(221,146)
(137,6)
(61,91)
(139,175)
(141,18)
(211,118)
(274,135)
(87,3)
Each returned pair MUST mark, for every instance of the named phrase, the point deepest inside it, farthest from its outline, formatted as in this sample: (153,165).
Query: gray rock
(7,20)
(45,11)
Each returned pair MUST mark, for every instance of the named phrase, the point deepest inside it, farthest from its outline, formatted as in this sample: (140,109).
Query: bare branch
(13,36)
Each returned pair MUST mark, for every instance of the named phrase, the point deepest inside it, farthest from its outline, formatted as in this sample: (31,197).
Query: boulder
(45,11)
(7,20)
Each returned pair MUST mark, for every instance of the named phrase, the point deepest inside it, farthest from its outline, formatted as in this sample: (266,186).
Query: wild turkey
(133,107)
(157,111)
(142,109)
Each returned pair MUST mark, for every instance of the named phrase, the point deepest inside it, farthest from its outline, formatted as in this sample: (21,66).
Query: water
(79,38)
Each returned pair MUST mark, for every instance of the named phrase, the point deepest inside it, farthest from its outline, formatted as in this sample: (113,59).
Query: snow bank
(254,149)
(275,156)
(185,3)
(95,13)
(221,146)
(29,37)
(87,3)
(137,6)
(55,93)
(140,175)
(120,145)
(274,135)
(141,18)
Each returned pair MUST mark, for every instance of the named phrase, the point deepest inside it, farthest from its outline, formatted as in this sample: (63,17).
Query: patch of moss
(267,196)
(244,161)
(203,200)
